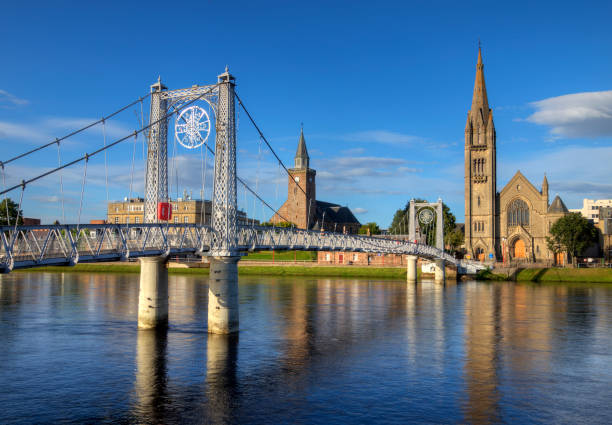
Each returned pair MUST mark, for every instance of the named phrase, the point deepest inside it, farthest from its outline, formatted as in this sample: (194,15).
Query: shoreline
(553,274)
(537,275)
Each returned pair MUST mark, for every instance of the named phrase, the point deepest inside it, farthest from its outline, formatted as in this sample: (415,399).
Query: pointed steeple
(301,160)
(545,186)
(480,103)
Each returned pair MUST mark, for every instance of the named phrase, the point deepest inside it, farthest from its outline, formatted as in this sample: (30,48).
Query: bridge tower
(156,174)
(414,210)
(153,291)
(224,256)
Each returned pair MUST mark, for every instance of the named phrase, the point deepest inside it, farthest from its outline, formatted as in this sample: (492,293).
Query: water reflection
(310,351)
(151,376)
(221,380)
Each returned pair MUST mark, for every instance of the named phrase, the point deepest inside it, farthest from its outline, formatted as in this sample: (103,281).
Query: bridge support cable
(8,218)
(61,182)
(108,146)
(105,161)
(265,140)
(88,126)
(246,186)
(82,195)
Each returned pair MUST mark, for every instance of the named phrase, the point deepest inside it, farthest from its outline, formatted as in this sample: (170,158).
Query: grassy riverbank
(599,275)
(312,271)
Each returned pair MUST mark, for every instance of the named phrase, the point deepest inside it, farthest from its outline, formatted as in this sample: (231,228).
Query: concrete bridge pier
(439,271)
(153,294)
(223,295)
(411,272)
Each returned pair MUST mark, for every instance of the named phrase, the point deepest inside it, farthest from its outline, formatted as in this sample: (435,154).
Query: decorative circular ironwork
(192,127)
(426,216)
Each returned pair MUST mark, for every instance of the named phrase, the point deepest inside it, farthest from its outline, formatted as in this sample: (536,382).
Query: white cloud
(113,129)
(359,210)
(381,136)
(8,100)
(587,114)
(30,132)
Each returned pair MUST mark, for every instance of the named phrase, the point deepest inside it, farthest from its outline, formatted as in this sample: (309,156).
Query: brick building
(302,207)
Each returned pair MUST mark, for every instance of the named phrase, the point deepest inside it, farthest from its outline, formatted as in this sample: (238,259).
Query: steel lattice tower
(156,173)
(224,190)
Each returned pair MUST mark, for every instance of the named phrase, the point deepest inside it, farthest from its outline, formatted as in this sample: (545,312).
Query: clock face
(297,179)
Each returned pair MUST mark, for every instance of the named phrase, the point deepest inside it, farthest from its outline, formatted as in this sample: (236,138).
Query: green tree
(13,212)
(572,234)
(454,239)
(279,224)
(372,227)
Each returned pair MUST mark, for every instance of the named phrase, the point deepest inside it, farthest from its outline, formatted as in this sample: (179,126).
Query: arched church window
(518,213)
(478,201)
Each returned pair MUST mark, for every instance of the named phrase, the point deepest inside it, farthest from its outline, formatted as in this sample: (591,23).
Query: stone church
(302,207)
(507,225)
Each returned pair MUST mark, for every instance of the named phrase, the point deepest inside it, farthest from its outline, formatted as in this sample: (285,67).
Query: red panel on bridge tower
(164,211)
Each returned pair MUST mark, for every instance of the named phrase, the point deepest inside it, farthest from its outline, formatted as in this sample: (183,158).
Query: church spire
(545,186)
(480,103)
(301,159)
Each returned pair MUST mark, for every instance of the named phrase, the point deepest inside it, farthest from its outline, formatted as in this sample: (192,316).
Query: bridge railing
(264,237)
(30,246)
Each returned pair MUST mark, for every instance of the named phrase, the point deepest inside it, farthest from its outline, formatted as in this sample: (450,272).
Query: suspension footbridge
(223,240)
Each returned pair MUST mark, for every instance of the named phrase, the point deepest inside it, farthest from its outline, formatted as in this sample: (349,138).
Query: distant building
(31,221)
(511,224)
(184,210)
(604,225)
(590,208)
(302,207)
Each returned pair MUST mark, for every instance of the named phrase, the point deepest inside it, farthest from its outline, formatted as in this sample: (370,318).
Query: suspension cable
(105,161)
(140,99)
(8,218)
(82,194)
(265,140)
(116,142)
(59,164)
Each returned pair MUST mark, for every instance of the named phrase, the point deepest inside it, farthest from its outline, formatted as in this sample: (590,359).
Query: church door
(519,249)
(341,258)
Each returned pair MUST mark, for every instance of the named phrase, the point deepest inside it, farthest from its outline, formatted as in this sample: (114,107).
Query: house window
(327,257)
(176,219)
(355,257)
(116,220)
(137,220)
(186,219)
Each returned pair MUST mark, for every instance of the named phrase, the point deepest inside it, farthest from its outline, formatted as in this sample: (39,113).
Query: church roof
(557,206)
(334,213)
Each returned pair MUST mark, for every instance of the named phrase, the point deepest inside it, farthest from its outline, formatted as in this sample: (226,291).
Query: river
(309,351)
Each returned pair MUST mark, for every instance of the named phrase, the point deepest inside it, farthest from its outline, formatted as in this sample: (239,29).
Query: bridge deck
(45,245)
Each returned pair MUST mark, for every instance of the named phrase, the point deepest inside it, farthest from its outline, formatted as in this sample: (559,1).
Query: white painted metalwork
(33,246)
(425,213)
(192,127)
(224,189)
(156,173)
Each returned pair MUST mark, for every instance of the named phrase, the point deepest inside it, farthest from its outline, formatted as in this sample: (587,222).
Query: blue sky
(382,88)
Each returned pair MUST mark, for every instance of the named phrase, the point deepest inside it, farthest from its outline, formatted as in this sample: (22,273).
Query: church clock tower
(480,173)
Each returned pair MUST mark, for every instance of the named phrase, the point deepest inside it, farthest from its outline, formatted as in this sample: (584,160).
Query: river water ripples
(318,351)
